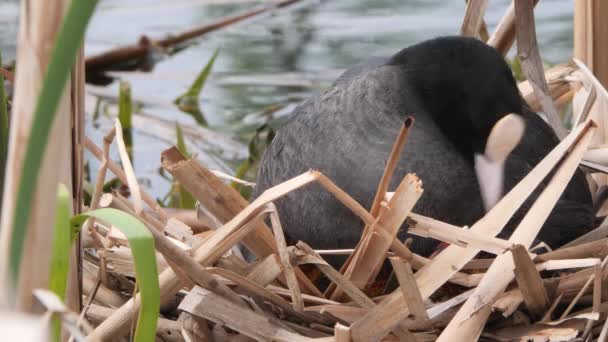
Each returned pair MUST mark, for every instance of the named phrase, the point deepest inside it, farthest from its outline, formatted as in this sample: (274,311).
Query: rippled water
(273,60)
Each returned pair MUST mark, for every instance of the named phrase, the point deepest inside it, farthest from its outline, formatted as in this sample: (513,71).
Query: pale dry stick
(581,116)
(178,259)
(205,304)
(553,265)
(596,249)
(85,309)
(529,281)
(135,192)
(409,289)
(98,191)
(549,313)
(216,245)
(504,35)
(598,233)
(588,74)
(531,63)
(428,227)
(387,175)
(473,18)
(468,323)
(433,275)
(582,290)
(266,271)
(341,333)
(118,172)
(249,288)
(604,333)
(305,254)
(128,169)
(225,203)
(559,86)
(369,257)
(292,281)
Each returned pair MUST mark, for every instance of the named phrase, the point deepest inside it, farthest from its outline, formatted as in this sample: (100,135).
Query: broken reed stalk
(532,64)
(118,172)
(473,18)
(472,316)
(529,282)
(288,270)
(504,35)
(128,53)
(370,254)
(176,257)
(433,275)
(387,175)
(557,80)
(128,168)
(224,202)
(98,190)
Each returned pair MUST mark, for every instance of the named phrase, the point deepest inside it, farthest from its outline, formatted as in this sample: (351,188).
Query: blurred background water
(265,66)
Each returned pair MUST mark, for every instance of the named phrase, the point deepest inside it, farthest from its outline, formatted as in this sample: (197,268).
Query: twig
(127,53)
(117,170)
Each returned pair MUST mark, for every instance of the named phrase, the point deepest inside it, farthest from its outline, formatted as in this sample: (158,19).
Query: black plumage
(457,89)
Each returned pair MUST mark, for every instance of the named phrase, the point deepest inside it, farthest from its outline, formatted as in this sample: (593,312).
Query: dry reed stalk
(104,295)
(178,259)
(341,333)
(119,173)
(205,304)
(473,18)
(529,282)
(247,287)
(433,275)
(266,271)
(288,270)
(597,249)
(558,82)
(224,202)
(370,255)
(305,254)
(98,190)
(308,256)
(428,227)
(504,35)
(471,318)
(128,169)
(583,112)
(219,243)
(409,289)
(39,23)
(531,63)
(98,313)
(382,189)
(597,113)
(583,289)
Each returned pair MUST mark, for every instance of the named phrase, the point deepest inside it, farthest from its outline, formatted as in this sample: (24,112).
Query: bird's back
(347,133)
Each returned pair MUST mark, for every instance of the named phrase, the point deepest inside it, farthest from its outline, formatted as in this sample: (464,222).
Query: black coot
(457,89)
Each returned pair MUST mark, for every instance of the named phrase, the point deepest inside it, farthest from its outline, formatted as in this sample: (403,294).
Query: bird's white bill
(490,175)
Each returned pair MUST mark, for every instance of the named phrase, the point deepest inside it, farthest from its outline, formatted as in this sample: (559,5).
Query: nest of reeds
(208,292)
